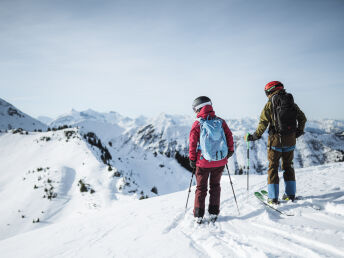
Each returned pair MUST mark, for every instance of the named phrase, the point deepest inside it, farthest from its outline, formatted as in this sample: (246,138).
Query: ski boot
(288,197)
(273,201)
(199,220)
(212,218)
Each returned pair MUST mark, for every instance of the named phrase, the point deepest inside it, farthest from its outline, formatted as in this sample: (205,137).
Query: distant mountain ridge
(163,120)
(76,117)
(168,135)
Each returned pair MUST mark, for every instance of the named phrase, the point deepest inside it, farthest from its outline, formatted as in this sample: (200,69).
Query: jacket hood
(206,111)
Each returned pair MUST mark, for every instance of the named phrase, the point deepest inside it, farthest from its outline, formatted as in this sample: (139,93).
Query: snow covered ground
(61,198)
(158,227)
(49,176)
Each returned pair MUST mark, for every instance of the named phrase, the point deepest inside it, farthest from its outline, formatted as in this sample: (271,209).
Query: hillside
(158,227)
(52,175)
(12,118)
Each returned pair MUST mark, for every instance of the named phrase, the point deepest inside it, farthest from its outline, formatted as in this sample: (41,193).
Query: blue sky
(146,57)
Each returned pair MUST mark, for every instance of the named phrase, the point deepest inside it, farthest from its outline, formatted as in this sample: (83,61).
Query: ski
(265,193)
(297,198)
(261,198)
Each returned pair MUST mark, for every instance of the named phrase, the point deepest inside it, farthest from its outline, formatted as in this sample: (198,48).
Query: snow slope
(11,118)
(40,177)
(158,227)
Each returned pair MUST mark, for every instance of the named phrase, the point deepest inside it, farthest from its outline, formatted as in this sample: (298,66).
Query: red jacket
(195,154)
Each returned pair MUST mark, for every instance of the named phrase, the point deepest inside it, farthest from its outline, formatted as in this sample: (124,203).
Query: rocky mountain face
(11,118)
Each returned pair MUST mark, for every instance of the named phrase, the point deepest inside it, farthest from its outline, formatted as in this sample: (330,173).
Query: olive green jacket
(266,118)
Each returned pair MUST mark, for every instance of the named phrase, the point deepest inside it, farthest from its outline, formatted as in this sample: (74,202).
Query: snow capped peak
(140,121)
(163,120)
(75,117)
(11,117)
(245,124)
(325,126)
(8,109)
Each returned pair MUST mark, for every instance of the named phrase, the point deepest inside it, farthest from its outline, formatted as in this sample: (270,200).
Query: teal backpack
(212,142)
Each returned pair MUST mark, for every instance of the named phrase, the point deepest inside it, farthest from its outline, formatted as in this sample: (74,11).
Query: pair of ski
(262,197)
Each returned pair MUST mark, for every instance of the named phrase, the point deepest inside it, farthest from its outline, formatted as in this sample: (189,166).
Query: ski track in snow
(67,180)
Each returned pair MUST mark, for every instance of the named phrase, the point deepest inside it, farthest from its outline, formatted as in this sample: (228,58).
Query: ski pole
(187,200)
(233,189)
(248,161)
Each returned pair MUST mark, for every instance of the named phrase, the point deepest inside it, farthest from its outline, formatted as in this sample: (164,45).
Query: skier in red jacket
(204,110)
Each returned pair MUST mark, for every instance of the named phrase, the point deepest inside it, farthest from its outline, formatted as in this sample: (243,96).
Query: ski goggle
(273,88)
(195,108)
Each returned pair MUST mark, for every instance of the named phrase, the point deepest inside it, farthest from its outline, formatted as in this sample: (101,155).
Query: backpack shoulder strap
(218,118)
(201,121)
(274,115)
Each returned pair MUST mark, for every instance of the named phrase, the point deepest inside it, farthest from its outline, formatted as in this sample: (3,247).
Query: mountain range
(167,135)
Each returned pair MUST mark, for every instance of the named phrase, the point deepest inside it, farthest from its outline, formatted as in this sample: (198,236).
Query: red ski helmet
(273,86)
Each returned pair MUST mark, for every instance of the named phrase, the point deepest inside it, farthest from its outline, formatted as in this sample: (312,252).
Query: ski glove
(299,133)
(251,137)
(192,163)
(230,153)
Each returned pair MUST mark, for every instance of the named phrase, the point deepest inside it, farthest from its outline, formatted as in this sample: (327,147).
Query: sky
(147,57)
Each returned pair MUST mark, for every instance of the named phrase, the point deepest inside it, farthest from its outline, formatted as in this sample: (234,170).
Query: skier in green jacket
(286,122)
